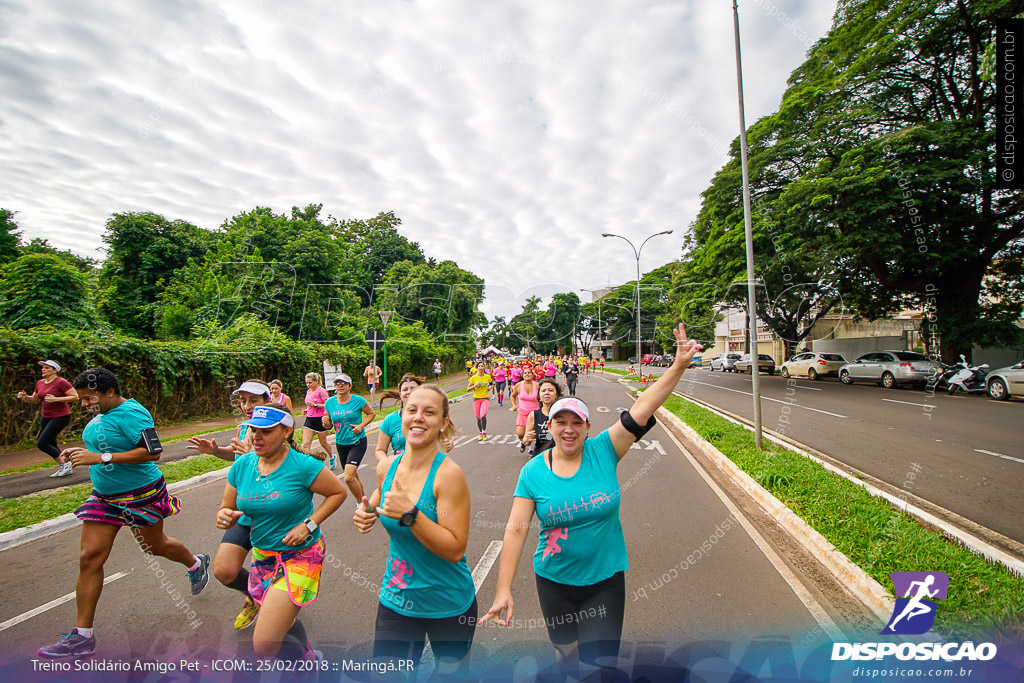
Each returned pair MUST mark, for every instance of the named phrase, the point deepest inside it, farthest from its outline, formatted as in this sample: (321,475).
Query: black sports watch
(409,518)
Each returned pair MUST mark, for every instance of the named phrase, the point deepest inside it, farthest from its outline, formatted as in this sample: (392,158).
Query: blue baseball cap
(264,417)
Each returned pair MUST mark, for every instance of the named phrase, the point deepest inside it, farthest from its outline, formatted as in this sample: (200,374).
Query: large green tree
(875,180)
(10,237)
(143,249)
(42,289)
(444,298)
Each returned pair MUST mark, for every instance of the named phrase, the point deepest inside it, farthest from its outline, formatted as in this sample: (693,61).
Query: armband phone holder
(637,430)
(151,441)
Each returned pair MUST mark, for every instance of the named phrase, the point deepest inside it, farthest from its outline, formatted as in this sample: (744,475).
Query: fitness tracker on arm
(310,524)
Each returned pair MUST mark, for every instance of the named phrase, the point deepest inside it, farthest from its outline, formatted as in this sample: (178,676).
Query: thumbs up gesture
(396,501)
(364,518)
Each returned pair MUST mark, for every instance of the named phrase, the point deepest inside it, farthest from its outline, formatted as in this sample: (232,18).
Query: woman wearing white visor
(273,486)
(581,557)
(229,563)
(349,414)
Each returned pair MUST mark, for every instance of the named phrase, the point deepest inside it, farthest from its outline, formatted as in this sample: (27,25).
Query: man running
(372,374)
(437,370)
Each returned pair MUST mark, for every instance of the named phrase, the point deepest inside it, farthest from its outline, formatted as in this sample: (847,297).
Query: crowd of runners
(421,499)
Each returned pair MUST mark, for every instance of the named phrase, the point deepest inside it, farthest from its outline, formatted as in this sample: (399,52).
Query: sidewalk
(13,460)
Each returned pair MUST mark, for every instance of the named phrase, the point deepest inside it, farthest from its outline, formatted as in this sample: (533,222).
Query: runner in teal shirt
(581,558)
(422,499)
(392,428)
(116,431)
(349,414)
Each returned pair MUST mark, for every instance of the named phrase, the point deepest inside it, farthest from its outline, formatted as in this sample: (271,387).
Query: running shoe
(483,437)
(522,447)
(71,645)
(332,462)
(250,610)
(66,469)
(480,437)
(59,472)
(199,576)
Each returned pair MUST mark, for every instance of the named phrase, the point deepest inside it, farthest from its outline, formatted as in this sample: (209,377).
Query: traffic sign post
(384,315)
(376,341)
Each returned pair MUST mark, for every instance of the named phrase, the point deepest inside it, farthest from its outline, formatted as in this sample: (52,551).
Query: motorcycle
(970,378)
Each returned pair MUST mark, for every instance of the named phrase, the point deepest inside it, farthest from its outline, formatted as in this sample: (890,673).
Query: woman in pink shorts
(524,399)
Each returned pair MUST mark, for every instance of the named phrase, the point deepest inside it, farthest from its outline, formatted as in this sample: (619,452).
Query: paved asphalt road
(732,592)
(968,450)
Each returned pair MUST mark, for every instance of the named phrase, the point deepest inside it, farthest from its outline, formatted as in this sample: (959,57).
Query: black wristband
(638,431)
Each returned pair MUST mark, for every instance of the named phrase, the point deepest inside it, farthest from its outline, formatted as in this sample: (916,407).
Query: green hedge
(179,381)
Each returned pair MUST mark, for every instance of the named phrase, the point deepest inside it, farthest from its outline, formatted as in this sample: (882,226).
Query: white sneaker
(64,470)
(59,472)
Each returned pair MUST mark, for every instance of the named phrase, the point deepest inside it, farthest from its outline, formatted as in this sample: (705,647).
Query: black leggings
(397,636)
(589,615)
(49,428)
(570,382)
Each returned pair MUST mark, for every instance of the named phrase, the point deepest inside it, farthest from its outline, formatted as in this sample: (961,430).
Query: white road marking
(998,455)
(14,621)
(907,403)
(765,398)
(480,571)
(812,605)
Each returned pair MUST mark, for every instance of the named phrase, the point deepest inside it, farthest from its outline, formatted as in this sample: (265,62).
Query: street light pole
(637,253)
(384,315)
(755,366)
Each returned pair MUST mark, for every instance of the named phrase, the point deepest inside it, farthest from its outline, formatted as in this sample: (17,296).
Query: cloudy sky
(506,135)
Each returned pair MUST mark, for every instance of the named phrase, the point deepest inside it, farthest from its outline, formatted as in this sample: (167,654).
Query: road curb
(856,580)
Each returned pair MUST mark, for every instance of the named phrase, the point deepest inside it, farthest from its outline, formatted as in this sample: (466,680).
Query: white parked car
(812,364)
(724,362)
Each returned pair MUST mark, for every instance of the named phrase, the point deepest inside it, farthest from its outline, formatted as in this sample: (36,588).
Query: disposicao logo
(915,592)
(914,614)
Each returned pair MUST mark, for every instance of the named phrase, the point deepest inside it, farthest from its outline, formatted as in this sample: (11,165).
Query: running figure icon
(915,594)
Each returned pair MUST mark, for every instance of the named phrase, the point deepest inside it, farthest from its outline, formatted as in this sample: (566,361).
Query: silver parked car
(1006,382)
(890,369)
(813,364)
(765,363)
(726,362)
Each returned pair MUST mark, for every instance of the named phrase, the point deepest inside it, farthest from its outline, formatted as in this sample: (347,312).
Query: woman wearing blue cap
(581,557)
(273,486)
(229,562)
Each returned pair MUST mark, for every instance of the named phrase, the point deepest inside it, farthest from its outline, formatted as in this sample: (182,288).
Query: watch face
(407,519)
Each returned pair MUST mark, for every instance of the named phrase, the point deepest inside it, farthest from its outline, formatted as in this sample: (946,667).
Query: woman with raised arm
(581,557)
(422,501)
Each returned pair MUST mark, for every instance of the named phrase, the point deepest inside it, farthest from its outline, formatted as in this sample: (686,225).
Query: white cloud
(506,135)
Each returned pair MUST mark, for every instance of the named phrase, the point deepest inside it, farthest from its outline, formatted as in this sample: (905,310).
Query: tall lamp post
(384,315)
(749,239)
(637,253)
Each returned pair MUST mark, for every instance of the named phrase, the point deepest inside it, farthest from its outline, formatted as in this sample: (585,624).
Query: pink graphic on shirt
(400,569)
(596,499)
(554,536)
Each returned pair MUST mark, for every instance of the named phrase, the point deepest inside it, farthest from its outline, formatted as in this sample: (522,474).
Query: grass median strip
(984,599)
(31,509)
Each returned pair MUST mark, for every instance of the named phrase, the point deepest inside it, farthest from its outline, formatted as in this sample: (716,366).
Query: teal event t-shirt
(117,431)
(277,502)
(344,415)
(581,541)
(392,426)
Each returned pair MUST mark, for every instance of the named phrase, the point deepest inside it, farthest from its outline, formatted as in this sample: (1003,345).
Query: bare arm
(80,456)
(650,400)
(383,441)
(511,552)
